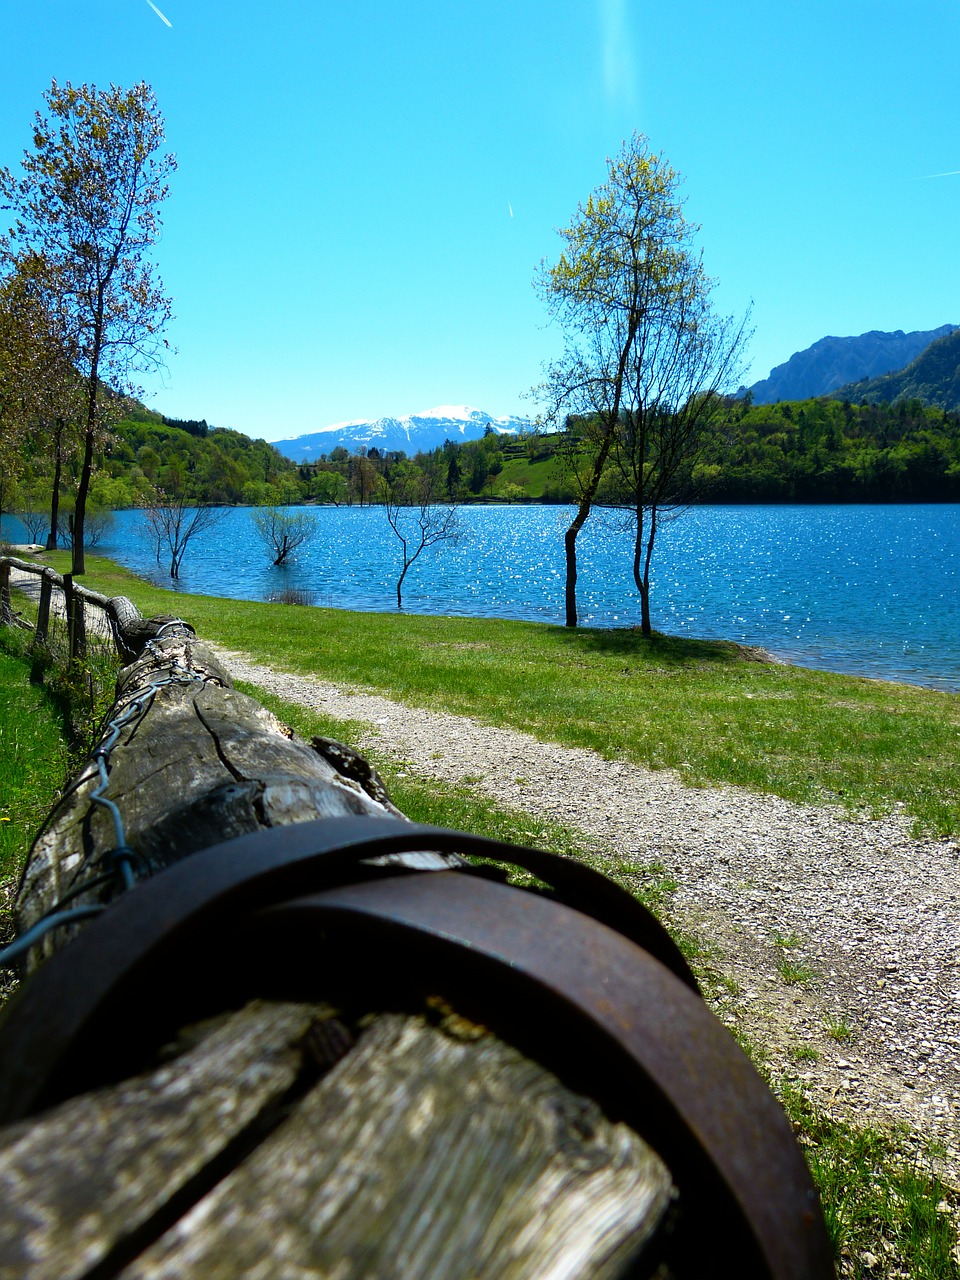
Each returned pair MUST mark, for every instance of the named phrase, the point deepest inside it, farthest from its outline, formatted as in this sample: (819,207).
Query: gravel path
(835,942)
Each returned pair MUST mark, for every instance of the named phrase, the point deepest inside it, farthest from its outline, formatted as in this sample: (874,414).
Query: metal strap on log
(293,1033)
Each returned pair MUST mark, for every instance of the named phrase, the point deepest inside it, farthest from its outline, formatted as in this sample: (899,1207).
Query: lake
(871,590)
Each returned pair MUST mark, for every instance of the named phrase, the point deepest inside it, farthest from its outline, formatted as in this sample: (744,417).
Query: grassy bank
(702,708)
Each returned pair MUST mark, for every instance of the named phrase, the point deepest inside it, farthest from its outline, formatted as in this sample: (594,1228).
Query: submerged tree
(173,520)
(623,288)
(282,532)
(417,515)
(87,204)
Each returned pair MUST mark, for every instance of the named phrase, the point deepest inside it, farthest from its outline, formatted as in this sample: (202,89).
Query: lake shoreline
(861,590)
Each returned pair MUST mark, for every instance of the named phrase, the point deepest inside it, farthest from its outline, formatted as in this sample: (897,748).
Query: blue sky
(365,191)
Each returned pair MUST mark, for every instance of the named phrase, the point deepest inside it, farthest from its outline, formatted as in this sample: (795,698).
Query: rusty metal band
(48,1046)
(546,954)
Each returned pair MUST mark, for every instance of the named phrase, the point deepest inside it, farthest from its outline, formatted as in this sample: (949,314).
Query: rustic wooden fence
(270,1028)
(71,620)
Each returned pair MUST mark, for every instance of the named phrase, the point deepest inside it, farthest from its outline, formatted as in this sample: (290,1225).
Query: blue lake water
(873,590)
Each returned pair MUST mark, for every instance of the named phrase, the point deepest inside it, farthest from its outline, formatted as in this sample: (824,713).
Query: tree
(329,486)
(32,511)
(416,515)
(173,521)
(282,532)
(626,266)
(87,203)
(671,404)
(41,400)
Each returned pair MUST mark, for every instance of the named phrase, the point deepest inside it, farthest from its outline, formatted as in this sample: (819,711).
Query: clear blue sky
(365,190)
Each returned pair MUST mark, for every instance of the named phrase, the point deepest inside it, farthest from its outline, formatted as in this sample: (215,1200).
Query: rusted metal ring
(711,1116)
(99,969)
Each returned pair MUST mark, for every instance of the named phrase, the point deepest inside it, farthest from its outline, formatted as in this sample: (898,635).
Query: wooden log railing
(247,1051)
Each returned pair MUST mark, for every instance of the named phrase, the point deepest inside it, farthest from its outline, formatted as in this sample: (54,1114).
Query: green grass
(33,754)
(791,968)
(887,1212)
(532,477)
(699,707)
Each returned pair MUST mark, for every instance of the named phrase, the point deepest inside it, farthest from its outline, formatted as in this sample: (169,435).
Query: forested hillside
(933,377)
(820,450)
(832,451)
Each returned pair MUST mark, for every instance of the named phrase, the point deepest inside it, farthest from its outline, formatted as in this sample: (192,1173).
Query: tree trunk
(55,491)
(80,508)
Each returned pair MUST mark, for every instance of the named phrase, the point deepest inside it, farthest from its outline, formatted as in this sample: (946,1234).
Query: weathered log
(202,764)
(425,1151)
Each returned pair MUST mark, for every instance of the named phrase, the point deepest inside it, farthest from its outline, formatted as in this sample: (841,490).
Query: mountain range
(411,434)
(933,378)
(836,362)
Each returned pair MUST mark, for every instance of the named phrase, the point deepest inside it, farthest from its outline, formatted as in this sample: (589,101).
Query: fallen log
(278,1030)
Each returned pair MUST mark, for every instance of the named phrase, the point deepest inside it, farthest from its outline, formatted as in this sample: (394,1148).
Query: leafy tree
(282,532)
(329,486)
(87,203)
(417,515)
(40,399)
(615,289)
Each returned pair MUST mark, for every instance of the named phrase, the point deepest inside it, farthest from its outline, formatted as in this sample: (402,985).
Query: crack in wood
(218,746)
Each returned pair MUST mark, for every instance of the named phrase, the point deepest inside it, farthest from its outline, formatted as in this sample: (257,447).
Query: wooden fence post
(76,632)
(6,613)
(43,609)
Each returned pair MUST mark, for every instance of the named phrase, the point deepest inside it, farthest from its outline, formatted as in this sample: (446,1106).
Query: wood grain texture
(91,1172)
(422,1155)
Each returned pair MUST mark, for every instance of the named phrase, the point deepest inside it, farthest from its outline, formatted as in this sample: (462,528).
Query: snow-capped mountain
(412,434)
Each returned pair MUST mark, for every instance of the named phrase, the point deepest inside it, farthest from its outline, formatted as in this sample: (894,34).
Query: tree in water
(87,204)
(282,532)
(417,516)
(621,286)
(173,520)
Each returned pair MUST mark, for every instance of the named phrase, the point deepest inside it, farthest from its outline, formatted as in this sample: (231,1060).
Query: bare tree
(670,407)
(417,516)
(282,532)
(174,520)
(34,519)
(87,204)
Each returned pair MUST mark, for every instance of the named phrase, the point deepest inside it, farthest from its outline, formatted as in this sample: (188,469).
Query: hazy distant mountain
(834,362)
(416,432)
(934,378)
